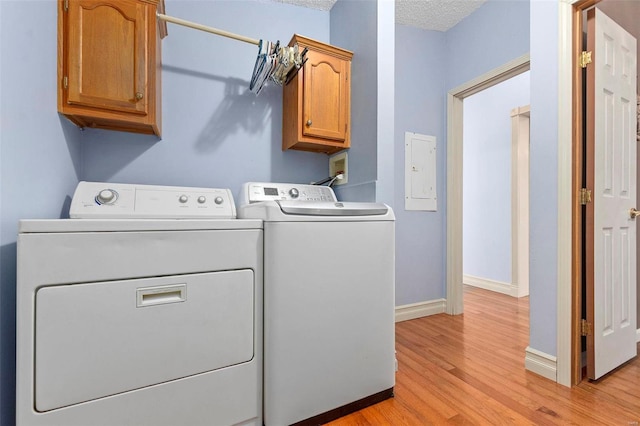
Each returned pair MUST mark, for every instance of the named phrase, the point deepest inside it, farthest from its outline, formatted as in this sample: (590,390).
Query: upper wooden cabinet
(109,63)
(317,102)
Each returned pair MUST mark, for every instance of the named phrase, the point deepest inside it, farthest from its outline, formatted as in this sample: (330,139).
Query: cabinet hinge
(585,58)
(585,196)
(586,328)
(65,82)
(66,5)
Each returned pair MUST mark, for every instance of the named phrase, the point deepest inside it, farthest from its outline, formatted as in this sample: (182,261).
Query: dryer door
(98,339)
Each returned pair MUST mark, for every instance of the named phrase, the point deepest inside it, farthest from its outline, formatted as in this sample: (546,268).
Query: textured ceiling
(437,15)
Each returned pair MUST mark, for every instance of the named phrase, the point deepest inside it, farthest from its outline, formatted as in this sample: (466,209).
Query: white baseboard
(541,363)
(419,310)
(638,335)
(492,285)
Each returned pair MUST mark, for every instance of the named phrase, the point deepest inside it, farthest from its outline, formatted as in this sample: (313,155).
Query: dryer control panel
(98,200)
(254,192)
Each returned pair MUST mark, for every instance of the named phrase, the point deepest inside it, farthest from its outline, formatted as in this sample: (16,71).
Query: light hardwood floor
(469,369)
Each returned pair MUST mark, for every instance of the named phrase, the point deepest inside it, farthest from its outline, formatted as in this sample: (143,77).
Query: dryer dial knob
(218,200)
(202,199)
(183,199)
(294,193)
(107,196)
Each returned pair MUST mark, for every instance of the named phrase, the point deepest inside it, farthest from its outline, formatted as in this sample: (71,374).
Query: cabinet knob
(309,122)
(139,96)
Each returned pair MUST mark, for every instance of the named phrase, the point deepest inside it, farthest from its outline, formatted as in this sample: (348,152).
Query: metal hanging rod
(207,29)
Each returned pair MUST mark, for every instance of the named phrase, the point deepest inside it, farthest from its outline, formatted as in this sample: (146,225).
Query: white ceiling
(437,15)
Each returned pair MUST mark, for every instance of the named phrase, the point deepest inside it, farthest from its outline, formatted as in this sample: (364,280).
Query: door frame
(569,160)
(455,97)
(520,142)
(577,134)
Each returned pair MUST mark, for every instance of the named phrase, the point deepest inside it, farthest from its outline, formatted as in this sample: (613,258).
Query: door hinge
(585,58)
(585,196)
(66,5)
(586,328)
(65,82)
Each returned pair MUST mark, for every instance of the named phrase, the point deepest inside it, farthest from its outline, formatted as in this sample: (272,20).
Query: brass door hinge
(65,82)
(585,196)
(586,328)
(585,58)
(66,5)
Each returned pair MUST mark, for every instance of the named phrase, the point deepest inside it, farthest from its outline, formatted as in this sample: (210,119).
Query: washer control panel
(97,200)
(254,192)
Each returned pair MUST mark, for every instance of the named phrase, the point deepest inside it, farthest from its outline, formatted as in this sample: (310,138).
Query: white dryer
(138,321)
(328,302)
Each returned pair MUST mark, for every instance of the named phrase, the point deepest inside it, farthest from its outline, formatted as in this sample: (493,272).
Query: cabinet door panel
(107,55)
(325,97)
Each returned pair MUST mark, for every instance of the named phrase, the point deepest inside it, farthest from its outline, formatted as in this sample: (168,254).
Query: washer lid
(330,208)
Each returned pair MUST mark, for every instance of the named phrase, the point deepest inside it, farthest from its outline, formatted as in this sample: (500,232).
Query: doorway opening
(455,99)
(496,187)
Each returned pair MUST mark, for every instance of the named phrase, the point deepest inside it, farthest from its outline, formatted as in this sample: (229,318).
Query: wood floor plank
(469,369)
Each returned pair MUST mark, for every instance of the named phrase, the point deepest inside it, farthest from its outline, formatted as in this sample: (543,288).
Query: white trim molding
(455,97)
(492,285)
(565,161)
(540,363)
(638,335)
(419,310)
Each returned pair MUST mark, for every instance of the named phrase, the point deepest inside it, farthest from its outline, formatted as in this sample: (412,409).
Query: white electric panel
(420,172)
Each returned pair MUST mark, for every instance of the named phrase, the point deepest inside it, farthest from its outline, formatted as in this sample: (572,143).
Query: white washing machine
(139,321)
(328,302)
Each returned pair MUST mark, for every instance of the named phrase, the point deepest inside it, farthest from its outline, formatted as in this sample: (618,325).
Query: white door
(611,172)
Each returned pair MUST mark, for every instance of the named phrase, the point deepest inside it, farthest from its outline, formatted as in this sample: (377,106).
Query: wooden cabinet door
(107,55)
(326,97)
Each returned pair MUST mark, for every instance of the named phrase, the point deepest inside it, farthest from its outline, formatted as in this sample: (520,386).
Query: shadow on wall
(111,151)
(8,334)
(72,135)
(239,110)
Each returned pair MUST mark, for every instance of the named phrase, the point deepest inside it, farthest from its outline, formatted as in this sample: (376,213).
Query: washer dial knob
(218,200)
(202,199)
(106,196)
(294,193)
(183,199)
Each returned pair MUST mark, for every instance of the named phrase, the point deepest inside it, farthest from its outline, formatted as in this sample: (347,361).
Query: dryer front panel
(93,340)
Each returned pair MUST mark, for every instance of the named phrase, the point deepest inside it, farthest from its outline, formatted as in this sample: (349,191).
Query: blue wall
(353,27)
(428,65)
(486,184)
(496,33)
(386,102)
(40,154)
(420,108)
(543,212)
(367,28)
